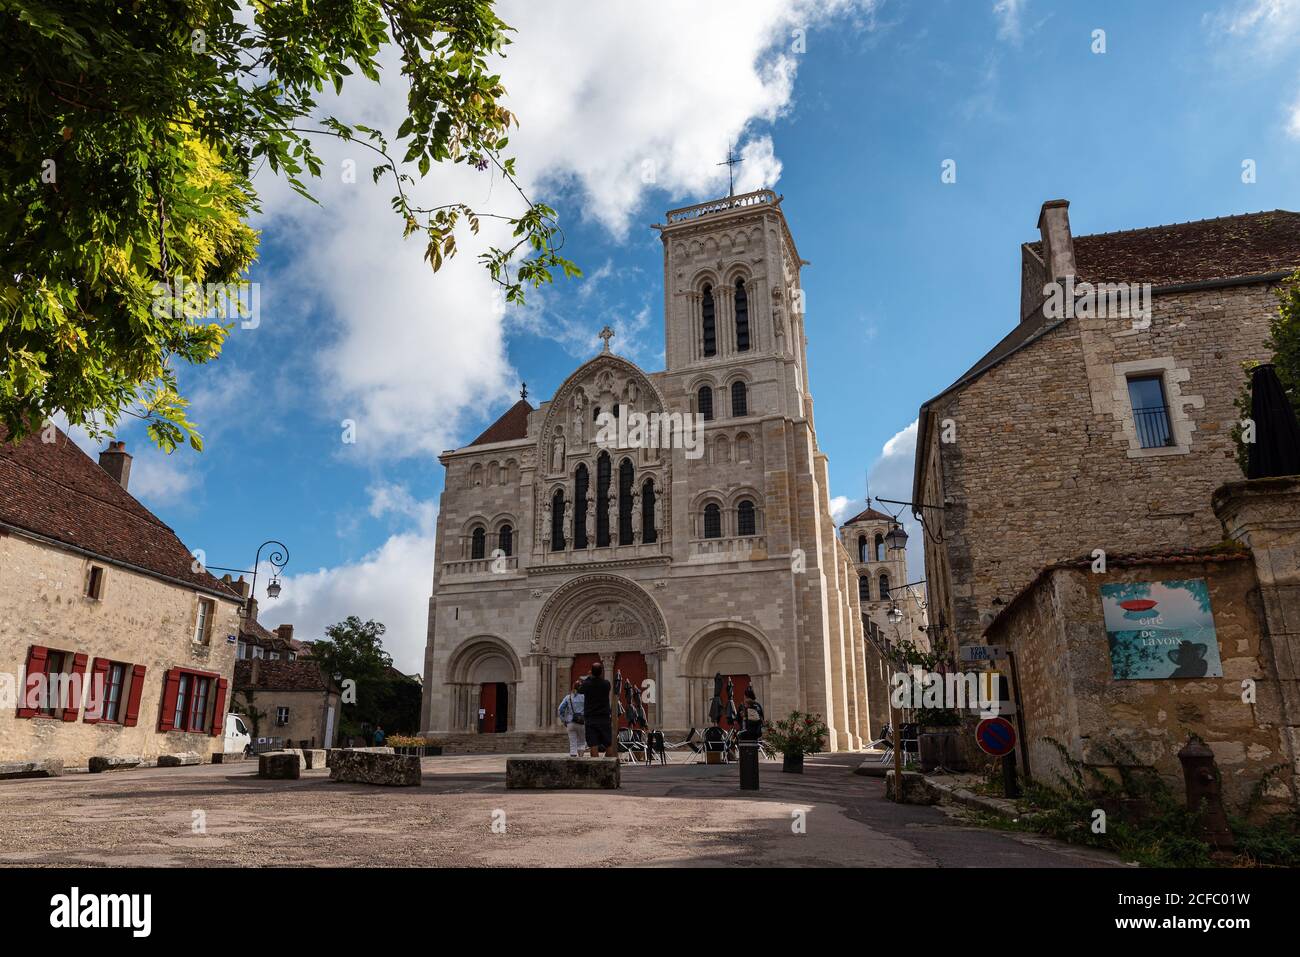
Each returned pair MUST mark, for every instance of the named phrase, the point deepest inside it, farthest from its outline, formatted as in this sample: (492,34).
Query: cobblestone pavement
(679,815)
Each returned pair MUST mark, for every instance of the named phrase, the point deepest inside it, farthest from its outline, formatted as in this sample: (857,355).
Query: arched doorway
(484,675)
(738,653)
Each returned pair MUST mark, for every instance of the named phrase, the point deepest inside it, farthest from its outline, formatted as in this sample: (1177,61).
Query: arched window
(880,547)
(603,470)
(745,524)
(595,413)
(742,317)
(864,555)
(712,521)
(705,403)
(864,588)
(581,481)
(884,587)
(557,521)
(739,399)
(742,447)
(506,540)
(478,543)
(710,328)
(648,512)
(625,478)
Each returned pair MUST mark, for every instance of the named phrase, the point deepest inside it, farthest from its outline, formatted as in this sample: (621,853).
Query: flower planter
(792,763)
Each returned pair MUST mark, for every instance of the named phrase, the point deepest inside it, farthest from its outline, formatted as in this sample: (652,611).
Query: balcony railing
(687,213)
(482,566)
(738,548)
(1153,427)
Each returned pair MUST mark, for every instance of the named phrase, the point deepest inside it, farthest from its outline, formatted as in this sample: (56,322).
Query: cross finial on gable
(523,390)
(607,333)
(731,162)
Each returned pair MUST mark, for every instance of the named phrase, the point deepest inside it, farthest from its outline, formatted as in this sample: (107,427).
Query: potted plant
(412,745)
(796,736)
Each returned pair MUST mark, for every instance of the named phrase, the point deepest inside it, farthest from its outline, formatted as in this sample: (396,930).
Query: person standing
(595,706)
(572,714)
(379,736)
(751,717)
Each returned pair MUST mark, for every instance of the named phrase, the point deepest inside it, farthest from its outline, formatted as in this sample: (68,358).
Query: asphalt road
(674,816)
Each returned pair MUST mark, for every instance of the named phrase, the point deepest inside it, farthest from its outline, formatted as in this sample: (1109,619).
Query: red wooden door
(632,665)
(487,704)
(581,669)
(741,682)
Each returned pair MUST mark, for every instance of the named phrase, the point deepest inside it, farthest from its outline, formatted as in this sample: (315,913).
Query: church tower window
(880,547)
(884,587)
(581,481)
(648,512)
(864,555)
(506,540)
(603,470)
(739,399)
(705,403)
(745,524)
(478,543)
(742,317)
(864,588)
(710,324)
(712,521)
(557,521)
(625,478)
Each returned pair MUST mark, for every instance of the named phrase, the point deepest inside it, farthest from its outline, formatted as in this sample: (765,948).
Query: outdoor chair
(690,742)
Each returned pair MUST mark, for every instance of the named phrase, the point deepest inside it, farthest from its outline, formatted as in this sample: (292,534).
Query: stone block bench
(48,768)
(562,773)
(227,757)
(182,759)
(374,767)
(279,765)
(313,759)
(113,762)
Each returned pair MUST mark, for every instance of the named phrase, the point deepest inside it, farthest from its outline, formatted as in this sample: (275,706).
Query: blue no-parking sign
(996,736)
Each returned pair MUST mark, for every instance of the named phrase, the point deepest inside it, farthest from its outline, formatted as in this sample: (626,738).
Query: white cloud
(1010,16)
(890,476)
(1263,31)
(159,479)
(841,506)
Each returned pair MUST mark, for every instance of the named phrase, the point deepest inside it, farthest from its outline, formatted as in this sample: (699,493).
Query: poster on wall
(1161,630)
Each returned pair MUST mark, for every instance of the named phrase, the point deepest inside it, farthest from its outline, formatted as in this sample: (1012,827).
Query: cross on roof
(731,162)
(607,333)
(523,390)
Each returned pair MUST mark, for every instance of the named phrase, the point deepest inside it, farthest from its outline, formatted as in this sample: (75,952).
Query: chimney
(285,632)
(252,677)
(240,587)
(1058,244)
(116,461)
(251,605)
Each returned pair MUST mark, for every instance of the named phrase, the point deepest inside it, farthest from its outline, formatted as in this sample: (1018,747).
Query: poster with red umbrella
(1161,630)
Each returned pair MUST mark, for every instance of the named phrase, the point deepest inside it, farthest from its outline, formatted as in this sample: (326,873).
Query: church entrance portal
(494,707)
(632,666)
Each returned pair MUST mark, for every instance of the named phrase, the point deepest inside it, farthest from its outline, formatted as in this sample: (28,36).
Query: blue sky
(847,108)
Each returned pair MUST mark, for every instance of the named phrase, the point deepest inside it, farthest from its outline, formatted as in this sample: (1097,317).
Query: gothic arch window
(506,540)
(581,484)
(648,512)
(705,402)
(864,588)
(478,542)
(884,587)
(739,399)
(712,521)
(742,317)
(603,470)
(626,477)
(745,522)
(557,521)
(710,324)
(880,547)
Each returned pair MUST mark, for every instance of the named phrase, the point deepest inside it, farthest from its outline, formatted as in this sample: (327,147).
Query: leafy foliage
(354,651)
(1284,343)
(800,733)
(129,136)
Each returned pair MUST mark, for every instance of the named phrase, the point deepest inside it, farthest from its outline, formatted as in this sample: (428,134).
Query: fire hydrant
(1204,796)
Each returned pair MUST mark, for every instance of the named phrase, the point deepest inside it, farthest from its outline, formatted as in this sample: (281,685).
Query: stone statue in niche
(579,415)
(557,453)
(568,514)
(636,516)
(589,522)
(612,516)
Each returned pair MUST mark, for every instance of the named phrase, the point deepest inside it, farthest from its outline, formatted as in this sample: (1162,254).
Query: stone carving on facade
(557,453)
(611,516)
(636,515)
(589,522)
(607,623)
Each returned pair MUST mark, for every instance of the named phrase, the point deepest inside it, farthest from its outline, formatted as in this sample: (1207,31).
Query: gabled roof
(55,491)
(867,515)
(512,425)
(1250,244)
(279,675)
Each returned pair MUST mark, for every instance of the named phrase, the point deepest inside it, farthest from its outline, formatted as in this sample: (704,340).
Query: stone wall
(139,620)
(1057,631)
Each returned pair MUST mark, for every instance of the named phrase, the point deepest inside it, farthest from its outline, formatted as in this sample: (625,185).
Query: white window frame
(204,612)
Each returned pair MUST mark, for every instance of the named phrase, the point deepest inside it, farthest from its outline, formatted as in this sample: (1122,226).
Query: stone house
(1090,426)
(113,640)
(295,700)
(670,561)
(881,572)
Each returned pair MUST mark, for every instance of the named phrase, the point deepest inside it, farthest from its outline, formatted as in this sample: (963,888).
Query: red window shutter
(36,656)
(219,712)
(171,689)
(133,697)
(75,686)
(98,693)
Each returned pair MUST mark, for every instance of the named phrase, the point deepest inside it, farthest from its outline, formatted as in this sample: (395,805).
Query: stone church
(669,561)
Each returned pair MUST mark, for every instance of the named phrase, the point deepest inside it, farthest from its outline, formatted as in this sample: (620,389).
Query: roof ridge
(1188,222)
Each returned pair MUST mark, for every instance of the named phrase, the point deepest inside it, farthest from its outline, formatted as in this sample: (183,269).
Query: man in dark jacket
(595,704)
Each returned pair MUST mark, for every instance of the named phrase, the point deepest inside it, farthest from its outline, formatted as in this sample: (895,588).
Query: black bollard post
(748,765)
(1010,786)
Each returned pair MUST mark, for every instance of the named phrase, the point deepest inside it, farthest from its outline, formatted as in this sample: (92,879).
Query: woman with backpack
(571,713)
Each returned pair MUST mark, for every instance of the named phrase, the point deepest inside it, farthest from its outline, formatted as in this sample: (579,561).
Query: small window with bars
(1146,393)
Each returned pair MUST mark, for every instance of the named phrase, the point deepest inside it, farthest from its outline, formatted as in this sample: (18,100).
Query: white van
(238,738)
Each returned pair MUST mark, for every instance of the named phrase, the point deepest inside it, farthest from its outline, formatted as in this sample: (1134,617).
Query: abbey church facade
(669,564)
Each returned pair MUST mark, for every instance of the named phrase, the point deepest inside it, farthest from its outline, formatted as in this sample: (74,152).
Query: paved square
(679,815)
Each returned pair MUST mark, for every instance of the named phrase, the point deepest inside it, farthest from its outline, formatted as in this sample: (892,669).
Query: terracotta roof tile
(279,676)
(512,425)
(58,492)
(867,515)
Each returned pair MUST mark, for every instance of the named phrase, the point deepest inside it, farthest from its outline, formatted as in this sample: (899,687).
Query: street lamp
(278,558)
(895,614)
(897,537)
